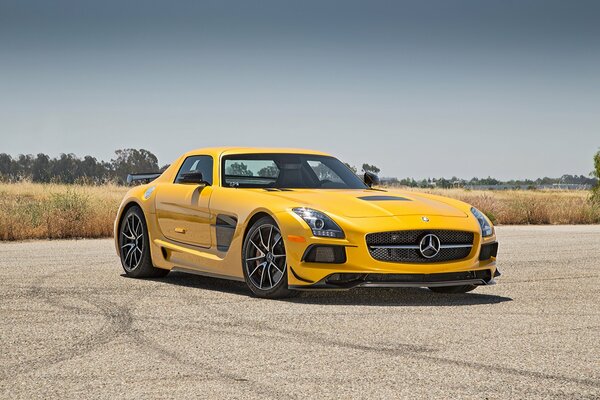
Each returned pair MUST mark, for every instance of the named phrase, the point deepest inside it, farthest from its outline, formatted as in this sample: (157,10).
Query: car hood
(369,203)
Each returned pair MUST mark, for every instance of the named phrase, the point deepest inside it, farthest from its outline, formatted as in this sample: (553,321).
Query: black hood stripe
(384,198)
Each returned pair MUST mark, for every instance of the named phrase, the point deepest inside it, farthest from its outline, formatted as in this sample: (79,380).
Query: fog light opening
(325,254)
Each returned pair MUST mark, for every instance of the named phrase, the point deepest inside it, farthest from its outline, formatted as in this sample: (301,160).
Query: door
(182,209)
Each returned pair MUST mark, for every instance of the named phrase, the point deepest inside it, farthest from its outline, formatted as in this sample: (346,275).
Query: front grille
(410,240)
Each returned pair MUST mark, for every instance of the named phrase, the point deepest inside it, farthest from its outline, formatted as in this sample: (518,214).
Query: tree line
(446,183)
(68,168)
(454,181)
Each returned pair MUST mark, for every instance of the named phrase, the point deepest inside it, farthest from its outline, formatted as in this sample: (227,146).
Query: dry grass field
(40,211)
(530,207)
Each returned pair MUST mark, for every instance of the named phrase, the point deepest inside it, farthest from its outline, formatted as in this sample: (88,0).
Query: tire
(264,261)
(453,289)
(134,249)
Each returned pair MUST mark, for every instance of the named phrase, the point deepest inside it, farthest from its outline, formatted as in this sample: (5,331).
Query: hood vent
(384,198)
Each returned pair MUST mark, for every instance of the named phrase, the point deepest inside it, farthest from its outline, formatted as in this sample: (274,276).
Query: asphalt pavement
(73,326)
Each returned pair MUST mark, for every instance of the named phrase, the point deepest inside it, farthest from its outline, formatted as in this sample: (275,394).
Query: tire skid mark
(217,373)
(117,320)
(400,347)
(310,337)
(526,334)
(410,351)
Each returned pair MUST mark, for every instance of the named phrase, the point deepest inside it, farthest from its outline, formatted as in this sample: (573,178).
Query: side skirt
(208,274)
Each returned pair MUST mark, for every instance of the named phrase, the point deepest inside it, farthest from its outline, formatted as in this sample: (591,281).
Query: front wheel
(453,289)
(264,260)
(134,246)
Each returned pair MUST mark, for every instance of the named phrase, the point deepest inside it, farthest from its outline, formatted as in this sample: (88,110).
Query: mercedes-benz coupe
(284,220)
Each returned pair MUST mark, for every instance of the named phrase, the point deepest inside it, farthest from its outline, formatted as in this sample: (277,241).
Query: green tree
(130,161)
(596,173)
(6,167)
(41,170)
(370,168)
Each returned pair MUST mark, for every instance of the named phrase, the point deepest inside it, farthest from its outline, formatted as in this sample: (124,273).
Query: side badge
(148,192)
(425,219)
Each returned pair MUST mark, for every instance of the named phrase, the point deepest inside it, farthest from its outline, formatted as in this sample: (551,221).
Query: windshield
(287,171)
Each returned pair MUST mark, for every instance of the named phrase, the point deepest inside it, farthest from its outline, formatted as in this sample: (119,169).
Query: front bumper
(369,272)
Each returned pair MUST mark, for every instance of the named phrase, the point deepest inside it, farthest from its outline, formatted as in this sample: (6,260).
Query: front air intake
(488,251)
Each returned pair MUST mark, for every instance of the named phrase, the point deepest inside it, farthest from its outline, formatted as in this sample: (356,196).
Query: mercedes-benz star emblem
(430,246)
(425,219)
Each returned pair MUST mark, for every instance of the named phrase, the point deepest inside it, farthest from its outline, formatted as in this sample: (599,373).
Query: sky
(509,89)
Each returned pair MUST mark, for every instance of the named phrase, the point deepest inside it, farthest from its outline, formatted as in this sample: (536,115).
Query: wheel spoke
(278,255)
(131,224)
(255,269)
(129,237)
(130,252)
(269,239)
(138,227)
(268,268)
(134,259)
(255,258)
(262,277)
(276,267)
(127,245)
(127,231)
(277,241)
(257,248)
(261,239)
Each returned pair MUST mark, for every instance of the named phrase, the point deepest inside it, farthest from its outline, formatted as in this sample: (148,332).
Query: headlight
(319,223)
(486,228)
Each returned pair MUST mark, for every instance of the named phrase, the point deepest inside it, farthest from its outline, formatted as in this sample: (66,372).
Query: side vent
(225,228)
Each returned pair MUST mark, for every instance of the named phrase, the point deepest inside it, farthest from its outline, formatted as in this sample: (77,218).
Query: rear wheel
(264,260)
(453,289)
(134,246)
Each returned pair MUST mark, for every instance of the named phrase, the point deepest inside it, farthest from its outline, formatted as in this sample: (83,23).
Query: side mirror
(193,177)
(370,179)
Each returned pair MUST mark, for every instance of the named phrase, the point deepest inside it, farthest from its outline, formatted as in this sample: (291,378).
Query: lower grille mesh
(413,238)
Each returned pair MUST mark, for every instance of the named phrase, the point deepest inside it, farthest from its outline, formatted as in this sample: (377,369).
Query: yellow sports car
(284,220)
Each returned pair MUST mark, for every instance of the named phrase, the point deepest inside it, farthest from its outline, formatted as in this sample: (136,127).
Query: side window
(202,164)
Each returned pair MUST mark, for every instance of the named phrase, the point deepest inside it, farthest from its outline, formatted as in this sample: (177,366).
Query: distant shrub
(67,214)
(596,189)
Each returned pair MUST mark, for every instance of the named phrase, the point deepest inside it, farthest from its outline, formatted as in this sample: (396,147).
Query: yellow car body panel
(182,223)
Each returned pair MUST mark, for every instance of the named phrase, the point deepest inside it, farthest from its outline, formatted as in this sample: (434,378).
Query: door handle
(179,230)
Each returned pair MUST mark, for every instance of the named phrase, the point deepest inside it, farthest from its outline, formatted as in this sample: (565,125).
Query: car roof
(221,151)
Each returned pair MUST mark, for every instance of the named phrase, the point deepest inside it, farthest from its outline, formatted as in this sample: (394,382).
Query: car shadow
(360,296)
(203,282)
(397,297)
